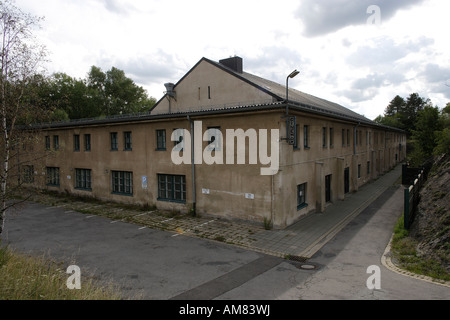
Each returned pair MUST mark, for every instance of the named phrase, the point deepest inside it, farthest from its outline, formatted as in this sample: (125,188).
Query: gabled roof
(278,92)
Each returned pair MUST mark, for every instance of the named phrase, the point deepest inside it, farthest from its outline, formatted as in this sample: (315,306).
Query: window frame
(56,142)
(122,183)
(114,141)
(87,142)
(167,188)
(161,140)
(53,177)
(76,143)
(301,196)
(127,141)
(306,137)
(83,179)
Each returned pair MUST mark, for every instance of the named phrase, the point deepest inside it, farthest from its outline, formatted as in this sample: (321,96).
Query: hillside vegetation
(425,249)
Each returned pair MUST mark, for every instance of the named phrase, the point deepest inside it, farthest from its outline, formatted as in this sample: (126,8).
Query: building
(222,142)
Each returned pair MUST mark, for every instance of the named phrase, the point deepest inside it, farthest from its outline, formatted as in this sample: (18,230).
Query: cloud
(321,17)
(385,51)
(438,79)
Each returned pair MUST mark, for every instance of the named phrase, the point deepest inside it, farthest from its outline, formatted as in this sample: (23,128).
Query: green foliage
(427,126)
(100,94)
(442,142)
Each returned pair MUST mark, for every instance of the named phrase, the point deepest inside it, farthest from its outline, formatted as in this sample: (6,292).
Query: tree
(396,106)
(427,126)
(20,58)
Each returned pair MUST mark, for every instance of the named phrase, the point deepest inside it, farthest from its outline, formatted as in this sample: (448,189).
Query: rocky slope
(431,227)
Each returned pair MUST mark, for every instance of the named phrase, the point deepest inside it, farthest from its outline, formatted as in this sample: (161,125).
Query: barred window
(53,176)
(122,182)
(28,174)
(83,179)
(171,187)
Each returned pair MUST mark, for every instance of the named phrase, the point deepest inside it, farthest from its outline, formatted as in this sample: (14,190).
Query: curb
(387,262)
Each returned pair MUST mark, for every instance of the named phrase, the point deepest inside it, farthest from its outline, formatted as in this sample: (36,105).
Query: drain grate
(297,258)
(301,263)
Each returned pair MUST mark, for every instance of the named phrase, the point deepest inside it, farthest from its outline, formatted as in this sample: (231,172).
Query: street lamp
(290,127)
(290,76)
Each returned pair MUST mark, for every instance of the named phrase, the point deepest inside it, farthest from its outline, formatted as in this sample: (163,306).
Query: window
(297,137)
(209,92)
(359,171)
(83,179)
(178,137)
(122,182)
(306,137)
(127,141)
(343,137)
(56,142)
(87,142)
(214,142)
(324,137)
(171,188)
(47,143)
(301,196)
(348,137)
(160,139)
(331,137)
(53,176)
(368,167)
(76,142)
(28,174)
(114,141)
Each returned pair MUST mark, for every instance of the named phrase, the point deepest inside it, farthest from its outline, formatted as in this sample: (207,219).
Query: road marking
(142,228)
(180,231)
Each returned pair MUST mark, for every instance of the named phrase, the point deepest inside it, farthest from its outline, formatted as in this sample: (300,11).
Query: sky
(360,54)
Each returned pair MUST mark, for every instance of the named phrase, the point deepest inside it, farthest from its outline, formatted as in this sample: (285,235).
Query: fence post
(406,209)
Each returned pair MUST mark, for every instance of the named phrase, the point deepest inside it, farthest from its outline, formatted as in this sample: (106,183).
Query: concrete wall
(226,190)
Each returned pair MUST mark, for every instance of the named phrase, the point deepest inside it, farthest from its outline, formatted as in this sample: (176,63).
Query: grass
(29,278)
(404,251)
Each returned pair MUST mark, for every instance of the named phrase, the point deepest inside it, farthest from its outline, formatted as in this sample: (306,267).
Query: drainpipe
(354,137)
(194,196)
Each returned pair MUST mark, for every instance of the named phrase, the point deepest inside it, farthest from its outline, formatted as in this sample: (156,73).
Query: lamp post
(290,140)
(293,74)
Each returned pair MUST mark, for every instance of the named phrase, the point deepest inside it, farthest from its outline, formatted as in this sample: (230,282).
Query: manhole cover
(307,266)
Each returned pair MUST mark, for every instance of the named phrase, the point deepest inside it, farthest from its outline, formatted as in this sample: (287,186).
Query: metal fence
(414,178)
(411,200)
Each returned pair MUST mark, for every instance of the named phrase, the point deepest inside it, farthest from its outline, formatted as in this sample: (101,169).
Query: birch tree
(21,57)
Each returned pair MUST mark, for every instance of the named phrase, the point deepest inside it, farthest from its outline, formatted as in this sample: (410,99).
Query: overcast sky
(348,51)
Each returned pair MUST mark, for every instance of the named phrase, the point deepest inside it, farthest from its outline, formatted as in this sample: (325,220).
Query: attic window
(209,92)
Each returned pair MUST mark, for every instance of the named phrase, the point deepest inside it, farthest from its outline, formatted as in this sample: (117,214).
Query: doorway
(347,180)
(328,188)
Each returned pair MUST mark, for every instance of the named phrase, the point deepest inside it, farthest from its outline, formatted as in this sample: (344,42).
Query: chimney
(234,63)
(169,89)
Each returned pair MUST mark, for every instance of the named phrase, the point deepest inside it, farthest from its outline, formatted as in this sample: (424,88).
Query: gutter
(194,194)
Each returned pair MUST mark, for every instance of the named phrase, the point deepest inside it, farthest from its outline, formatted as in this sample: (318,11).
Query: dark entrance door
(347,180)
(328,188)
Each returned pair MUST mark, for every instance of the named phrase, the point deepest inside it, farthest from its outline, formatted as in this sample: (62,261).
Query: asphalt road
(154,264)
